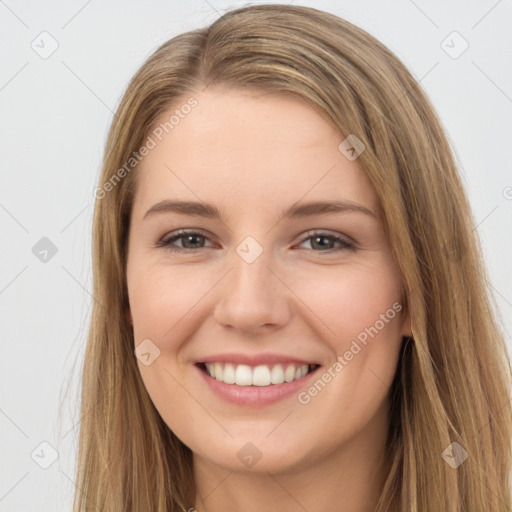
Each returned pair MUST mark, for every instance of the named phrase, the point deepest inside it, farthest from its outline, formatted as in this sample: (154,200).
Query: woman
(237,362)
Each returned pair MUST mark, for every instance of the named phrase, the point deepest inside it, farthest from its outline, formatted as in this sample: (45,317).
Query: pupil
(192,237)
(320,238)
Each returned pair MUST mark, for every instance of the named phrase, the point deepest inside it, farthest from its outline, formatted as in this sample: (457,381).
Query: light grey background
(55,116)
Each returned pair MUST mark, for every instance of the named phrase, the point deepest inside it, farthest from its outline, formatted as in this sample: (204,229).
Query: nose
(253,297)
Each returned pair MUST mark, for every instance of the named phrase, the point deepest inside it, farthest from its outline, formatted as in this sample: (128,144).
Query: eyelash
(166,243)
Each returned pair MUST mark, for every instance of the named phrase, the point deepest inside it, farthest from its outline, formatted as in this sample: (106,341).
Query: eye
(194,241)
(317,241)
(191,240)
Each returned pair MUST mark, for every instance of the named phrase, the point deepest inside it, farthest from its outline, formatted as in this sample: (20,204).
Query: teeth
(289,374)
(262,375)
(243,375)
(218,371)
(229,374)
(277,374)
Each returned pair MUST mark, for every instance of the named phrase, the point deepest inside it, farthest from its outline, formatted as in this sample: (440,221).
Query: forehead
(240,147)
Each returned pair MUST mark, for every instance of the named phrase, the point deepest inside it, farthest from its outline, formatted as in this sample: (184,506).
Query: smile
(261,375)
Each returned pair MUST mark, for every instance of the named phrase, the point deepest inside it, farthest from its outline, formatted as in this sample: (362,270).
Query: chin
(250,459)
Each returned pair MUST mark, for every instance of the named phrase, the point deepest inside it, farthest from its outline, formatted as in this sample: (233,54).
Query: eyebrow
(296,210)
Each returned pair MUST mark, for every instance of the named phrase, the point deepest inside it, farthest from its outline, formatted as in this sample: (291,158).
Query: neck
(348,479)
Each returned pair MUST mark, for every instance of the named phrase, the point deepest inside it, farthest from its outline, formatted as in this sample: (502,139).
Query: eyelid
(327,233)
(176,235)
(347,243)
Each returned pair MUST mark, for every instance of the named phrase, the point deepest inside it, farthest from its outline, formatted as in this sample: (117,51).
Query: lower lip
(255,395)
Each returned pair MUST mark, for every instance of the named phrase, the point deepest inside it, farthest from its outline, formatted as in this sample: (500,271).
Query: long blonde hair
(453,378)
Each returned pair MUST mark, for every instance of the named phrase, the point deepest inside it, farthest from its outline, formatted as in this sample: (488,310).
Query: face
(269,339)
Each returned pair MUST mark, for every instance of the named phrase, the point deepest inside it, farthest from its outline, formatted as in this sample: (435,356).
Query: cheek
(349,300)
(365,315)
(358,311)
(169,305)
(161,299)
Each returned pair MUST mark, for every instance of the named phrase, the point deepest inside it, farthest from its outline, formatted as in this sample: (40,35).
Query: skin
(252,155)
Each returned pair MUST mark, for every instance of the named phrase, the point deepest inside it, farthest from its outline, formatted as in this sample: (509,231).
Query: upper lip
(254,360)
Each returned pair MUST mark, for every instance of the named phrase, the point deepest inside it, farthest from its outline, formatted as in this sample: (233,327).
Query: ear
(128,315)
(406,325)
